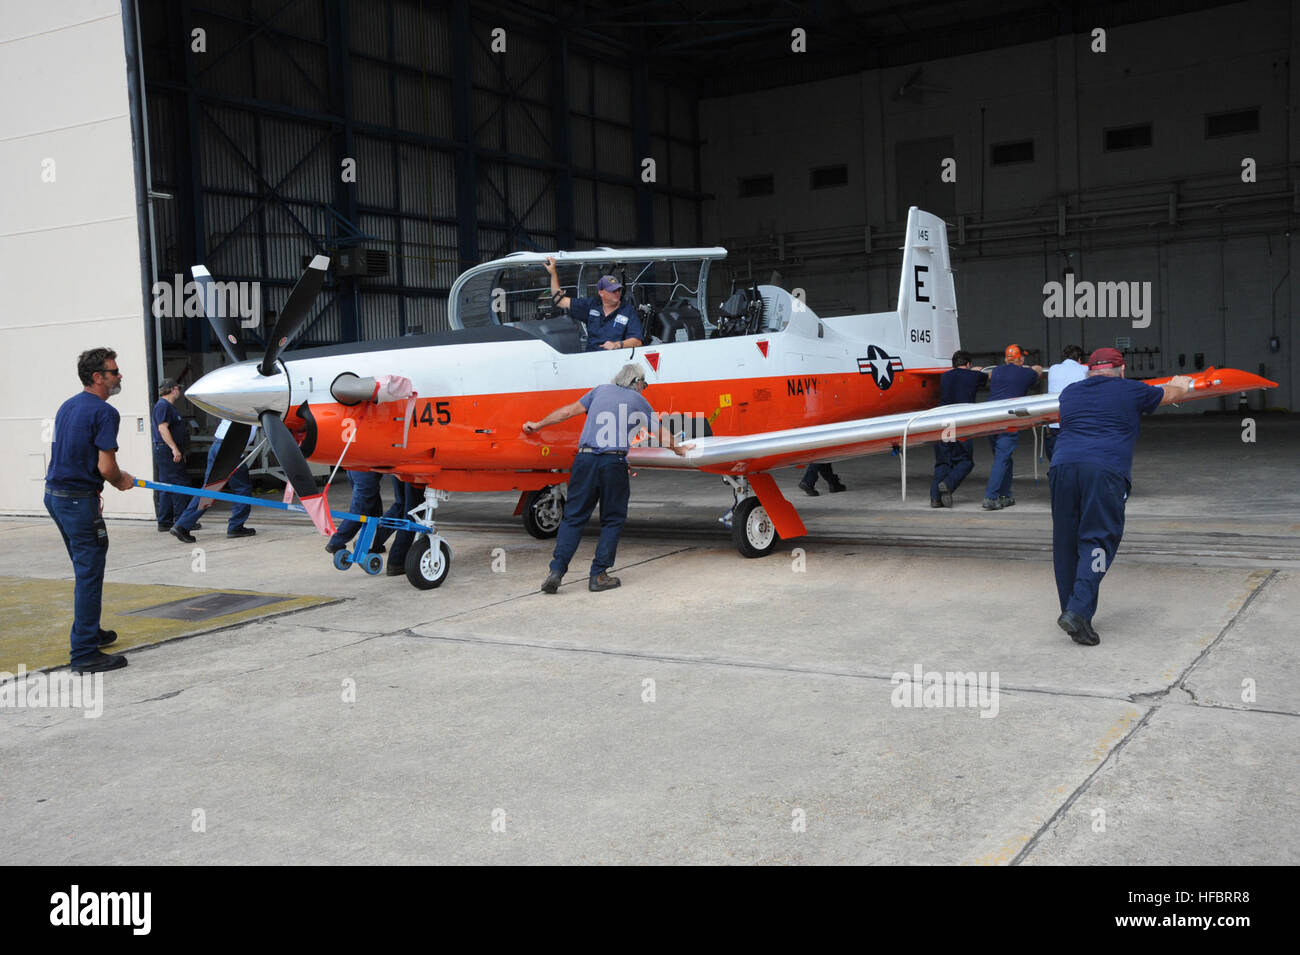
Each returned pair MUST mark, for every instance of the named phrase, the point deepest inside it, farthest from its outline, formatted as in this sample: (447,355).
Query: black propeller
(233,446)
(294,314)
(226,328)
(289,455)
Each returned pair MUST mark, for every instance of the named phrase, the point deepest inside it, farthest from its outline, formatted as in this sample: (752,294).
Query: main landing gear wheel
(543,512)
(752,530)
(427,567)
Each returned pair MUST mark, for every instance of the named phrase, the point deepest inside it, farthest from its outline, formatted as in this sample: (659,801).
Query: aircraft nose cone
(240,393)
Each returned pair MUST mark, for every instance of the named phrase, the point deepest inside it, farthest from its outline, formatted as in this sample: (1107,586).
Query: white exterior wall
(69,249)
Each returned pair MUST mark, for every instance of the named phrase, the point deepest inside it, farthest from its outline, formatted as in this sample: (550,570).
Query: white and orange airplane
(763,383)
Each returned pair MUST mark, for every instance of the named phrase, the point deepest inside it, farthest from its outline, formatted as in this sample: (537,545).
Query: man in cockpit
(611,322)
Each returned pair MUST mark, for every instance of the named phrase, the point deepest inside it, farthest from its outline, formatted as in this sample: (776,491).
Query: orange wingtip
(1213,382)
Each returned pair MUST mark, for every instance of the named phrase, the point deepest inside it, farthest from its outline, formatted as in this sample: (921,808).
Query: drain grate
(207,606)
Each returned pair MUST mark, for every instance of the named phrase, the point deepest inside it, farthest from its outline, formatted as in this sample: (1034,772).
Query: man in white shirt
(1069,370)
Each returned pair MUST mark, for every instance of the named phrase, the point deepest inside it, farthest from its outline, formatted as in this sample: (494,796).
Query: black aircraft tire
(423,569)
(752,530)
(541,528)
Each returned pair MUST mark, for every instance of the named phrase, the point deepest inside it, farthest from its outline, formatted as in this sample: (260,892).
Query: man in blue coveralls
(1089,479)
(170,442)
(611,322)
(82,457)
(953,460)
(1011,380)
(615,413)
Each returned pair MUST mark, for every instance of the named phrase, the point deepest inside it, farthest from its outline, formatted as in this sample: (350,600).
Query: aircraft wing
(755,453)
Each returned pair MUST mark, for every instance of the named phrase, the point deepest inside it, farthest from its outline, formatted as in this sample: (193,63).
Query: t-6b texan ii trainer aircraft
(760,384)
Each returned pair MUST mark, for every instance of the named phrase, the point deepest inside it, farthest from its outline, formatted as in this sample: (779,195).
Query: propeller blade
(230,454)
(298,471)
(225,327)
(294,314)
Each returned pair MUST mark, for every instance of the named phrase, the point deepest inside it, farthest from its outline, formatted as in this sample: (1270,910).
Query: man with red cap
(1011,380)
(1089,480)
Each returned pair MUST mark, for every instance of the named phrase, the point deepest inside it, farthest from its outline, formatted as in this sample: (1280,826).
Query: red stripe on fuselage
(484,433)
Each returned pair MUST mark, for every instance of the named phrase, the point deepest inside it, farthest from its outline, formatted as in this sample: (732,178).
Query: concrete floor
(714,709)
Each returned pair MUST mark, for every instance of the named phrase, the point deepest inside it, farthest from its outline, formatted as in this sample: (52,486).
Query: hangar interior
(479,130)
(412,139)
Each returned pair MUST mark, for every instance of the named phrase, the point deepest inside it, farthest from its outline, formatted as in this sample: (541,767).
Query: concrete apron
(714,709)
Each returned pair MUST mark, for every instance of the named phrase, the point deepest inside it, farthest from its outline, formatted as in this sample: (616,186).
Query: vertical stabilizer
(927,298)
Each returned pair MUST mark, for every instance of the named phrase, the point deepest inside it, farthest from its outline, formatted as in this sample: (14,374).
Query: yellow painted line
(38,616)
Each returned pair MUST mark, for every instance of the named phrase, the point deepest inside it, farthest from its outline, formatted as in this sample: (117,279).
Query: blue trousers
(593,478)
(1049,441)
(953,460)
(410,497)
(367,500)
(1004,447)
(240,483)
(168,507)
(816,470)
(1087,524)
(86,538)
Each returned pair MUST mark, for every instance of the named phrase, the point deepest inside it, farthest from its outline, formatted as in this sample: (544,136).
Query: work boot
(241,531)
(810,491)
(934,503)
(945,494)
(991,504)
(1080,630)
(181,534)
(552,583)
(603,581)
(1006,500)
(837,486)
(107,637)
(100,662)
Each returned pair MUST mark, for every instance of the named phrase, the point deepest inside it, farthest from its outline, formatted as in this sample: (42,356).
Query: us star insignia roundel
(880,366)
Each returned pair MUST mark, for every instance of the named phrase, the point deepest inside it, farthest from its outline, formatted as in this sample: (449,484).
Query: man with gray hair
(615,414)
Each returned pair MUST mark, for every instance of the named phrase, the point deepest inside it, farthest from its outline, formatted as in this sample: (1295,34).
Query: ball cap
(1013,352)
(608,283)
(1106,358)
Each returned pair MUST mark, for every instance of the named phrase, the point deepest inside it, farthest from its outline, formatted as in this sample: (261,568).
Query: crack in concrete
(1155,701)
(1112,756)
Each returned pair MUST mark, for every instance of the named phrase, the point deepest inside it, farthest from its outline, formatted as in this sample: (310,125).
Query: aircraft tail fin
(927,297)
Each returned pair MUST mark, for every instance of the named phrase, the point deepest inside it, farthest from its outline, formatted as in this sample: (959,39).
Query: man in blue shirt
(953,460)
(1059,377)
(1089,480)
(611,322)
(615,413)
(170,442)
(82,457)
(1011,380)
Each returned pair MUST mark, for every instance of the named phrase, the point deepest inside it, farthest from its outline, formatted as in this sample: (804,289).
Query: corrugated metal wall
(248,134)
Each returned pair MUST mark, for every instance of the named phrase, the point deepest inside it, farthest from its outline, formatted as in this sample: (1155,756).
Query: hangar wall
(466,147)
(69,243)
(1176,213)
